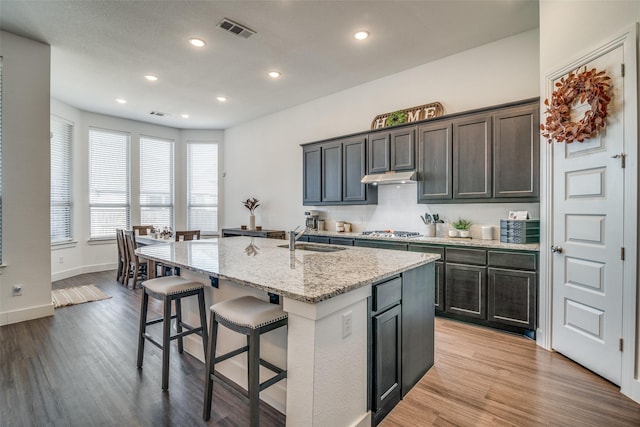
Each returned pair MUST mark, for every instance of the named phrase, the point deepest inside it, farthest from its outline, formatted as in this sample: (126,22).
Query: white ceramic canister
(487,232)
(321,225)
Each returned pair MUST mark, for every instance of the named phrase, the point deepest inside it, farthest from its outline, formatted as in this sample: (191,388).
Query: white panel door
(588,227)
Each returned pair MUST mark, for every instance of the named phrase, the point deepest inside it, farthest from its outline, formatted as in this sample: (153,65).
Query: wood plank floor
(78,368)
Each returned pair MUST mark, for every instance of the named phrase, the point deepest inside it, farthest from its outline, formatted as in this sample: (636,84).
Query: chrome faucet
(293,237)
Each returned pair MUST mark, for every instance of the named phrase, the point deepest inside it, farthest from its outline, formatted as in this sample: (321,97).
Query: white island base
(326,381)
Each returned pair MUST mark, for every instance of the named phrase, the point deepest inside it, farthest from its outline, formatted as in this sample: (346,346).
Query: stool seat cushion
(171,285)
(248,312)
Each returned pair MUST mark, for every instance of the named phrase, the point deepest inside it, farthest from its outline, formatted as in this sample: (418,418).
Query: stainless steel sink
(315,248)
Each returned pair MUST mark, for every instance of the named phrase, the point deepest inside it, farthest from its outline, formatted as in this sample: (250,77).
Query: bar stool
(168,289)
(252,317)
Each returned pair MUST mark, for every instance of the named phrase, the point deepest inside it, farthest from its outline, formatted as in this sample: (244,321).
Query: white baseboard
(15,316)
(82,270)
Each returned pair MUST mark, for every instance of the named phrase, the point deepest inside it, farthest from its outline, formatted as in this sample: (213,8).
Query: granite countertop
(303,275)
(446,241)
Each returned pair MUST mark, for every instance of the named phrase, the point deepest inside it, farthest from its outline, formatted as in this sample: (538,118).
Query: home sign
(408,115)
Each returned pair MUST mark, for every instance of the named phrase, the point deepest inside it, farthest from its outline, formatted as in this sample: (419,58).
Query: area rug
(77,295)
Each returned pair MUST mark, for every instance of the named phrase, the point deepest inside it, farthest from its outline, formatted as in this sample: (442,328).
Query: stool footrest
(152,340)
(158,320)
(231,354)
(190,330)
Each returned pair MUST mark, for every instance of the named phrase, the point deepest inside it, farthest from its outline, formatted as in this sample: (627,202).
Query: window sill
(102,241)
(64,245)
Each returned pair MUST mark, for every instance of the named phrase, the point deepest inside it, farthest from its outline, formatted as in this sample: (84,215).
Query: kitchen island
(329,346)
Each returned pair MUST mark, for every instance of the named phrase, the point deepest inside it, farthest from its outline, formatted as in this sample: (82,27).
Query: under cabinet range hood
(390,178)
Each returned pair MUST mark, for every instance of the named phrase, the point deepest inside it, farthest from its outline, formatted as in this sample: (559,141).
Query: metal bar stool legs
(252,317)
(169,289)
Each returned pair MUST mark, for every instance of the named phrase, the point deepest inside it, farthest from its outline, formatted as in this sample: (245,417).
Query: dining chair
(142,229)
(123,259)
(187,235)
(136,267)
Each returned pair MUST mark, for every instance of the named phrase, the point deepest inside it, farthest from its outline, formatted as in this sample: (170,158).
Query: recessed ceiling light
(361,35)
(151,77)
(274,74)
(222,98)
(184,116)
(121,101)
(197,42)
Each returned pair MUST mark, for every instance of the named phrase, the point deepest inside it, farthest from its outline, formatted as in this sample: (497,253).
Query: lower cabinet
(466,290)
(512,297)
(401,337)
(381,244)
(439,297)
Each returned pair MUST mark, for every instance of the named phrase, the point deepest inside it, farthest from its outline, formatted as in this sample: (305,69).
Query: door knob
(556,249)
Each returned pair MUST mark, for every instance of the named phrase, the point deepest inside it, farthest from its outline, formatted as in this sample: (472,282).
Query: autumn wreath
(590,86)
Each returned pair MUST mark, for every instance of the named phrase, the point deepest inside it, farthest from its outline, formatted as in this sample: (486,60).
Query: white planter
(453,232)
(463,233)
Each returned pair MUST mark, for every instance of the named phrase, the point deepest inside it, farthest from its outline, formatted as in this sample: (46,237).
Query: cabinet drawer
(467,256)
(523,261)
(341,241)
(386,294)
(318,239)
(427,249)
(381,244)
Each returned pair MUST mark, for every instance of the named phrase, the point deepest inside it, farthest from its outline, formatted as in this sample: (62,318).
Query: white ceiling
(101,50)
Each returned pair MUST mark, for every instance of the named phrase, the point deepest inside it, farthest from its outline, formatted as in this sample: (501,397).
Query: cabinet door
(387,333)
(378,152)
(512,297)
(353,169)
(472,169)
(311,175)
(466,290)
(434,162)
(403,149)
(440,275)
(332,172)
(516,148)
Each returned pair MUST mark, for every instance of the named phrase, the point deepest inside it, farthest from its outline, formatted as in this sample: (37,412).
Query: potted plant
(461,227)
(251,203)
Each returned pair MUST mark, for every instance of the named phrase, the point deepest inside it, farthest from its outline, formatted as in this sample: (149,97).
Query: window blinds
(202,198)
(156,181)
(109,198)
(61,181)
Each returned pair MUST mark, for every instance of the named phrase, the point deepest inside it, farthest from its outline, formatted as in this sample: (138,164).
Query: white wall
(263,157)
(569,30)
(25,179)
(83,256)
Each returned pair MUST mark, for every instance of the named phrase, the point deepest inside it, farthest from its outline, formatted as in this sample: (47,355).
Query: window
(202,198)
(109,197)
(61,182)
(156,181)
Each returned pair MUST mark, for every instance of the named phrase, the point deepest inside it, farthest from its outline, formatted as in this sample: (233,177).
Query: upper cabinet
(391,150)
(472,157)
(486,155)
(332,172)
(516,152)
(489,156)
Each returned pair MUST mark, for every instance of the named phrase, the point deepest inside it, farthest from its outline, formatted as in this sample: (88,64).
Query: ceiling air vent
(235,28)
(159,114)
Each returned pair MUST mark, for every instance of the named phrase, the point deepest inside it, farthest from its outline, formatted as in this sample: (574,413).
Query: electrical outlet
(17,290)
(61,260)
(347,324)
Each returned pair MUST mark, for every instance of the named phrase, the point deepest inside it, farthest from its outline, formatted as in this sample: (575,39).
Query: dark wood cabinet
(391,150)
(380,244)
(311,178)
(466,289)
(516,151)
(439,272)
(387,333)
(332,172)
(435,175)
(512,297)
(353,169)
(472,157)
(344,241)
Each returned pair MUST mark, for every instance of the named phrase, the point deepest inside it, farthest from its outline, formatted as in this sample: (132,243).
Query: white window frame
(213,194)
(127,204)
(67,163)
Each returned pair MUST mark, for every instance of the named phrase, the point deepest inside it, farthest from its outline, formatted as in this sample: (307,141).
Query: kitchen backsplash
(397,209)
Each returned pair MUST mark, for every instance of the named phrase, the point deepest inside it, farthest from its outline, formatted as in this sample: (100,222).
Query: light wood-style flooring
(78,368)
